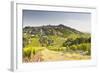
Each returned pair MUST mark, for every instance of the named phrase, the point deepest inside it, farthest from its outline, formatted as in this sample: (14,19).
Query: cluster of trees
(82,45)
(76,41)
(44,39)
(26,39)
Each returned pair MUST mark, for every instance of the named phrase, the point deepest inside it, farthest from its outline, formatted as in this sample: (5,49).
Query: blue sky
(76,20)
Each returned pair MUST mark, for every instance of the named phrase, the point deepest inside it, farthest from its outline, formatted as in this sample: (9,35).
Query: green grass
(35,42)
(58,41)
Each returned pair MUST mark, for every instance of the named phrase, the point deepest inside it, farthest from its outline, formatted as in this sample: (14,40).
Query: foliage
(57,48)
(28,51)
(80,40)
(26,39)
(79,44)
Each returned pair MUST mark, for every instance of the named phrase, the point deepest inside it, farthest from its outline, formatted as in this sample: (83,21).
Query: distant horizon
(76,20)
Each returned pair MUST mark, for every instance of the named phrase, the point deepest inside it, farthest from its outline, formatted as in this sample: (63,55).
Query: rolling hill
(59,30)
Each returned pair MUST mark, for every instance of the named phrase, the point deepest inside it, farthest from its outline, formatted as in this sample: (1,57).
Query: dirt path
(48,55)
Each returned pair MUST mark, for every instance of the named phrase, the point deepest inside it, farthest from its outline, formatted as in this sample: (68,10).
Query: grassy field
(49,55)
(34,52)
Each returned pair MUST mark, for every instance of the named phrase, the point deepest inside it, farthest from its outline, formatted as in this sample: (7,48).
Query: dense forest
(55,43)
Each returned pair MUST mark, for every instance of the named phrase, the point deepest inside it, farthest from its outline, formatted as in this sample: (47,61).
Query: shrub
(73,47)
(57,48)
(27,52)
(31,50)
(85,47)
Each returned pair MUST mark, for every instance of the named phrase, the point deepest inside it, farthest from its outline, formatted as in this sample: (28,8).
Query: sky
(79,21)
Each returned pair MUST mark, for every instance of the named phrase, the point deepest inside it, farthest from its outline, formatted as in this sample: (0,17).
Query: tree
(26,39)
(68,42)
